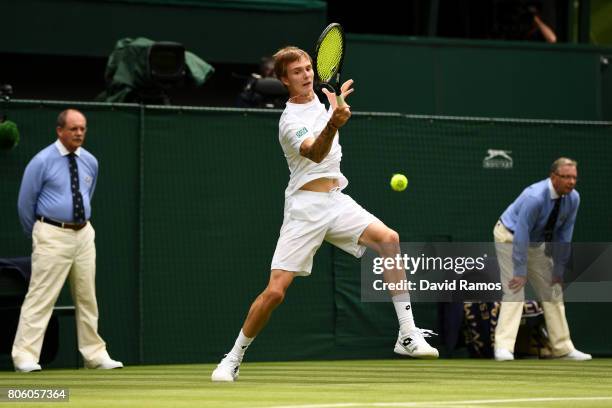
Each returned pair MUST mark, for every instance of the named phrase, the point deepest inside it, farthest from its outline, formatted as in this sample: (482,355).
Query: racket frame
(335,74)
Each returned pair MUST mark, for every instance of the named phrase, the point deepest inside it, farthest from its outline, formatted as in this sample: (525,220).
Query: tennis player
(317,210)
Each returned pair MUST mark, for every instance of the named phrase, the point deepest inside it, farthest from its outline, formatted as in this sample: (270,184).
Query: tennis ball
(399,182)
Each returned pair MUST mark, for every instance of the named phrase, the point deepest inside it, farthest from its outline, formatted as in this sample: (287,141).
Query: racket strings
(330,55)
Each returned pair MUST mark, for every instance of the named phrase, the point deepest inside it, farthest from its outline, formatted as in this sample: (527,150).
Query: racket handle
(340,100)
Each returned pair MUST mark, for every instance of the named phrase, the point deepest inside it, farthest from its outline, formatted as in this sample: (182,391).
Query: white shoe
(109,364)
(227,370)
(577,356)
(503,355)
(27,367)
(414,345)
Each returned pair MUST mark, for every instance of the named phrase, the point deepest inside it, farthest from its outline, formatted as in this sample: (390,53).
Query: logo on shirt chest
(301,132)
(88,180)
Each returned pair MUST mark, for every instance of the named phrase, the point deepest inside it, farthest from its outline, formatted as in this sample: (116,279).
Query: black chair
(14,280)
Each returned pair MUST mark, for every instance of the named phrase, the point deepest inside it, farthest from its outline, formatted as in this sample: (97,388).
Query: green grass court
(336,384)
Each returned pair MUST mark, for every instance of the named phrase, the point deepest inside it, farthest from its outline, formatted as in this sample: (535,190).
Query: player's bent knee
(274,296)
(390,237)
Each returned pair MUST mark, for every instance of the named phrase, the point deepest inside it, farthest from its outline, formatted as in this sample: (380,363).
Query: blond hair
(286,56)
(562,161)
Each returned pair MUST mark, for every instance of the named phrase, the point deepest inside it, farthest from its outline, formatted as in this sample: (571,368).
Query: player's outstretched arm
(316,149)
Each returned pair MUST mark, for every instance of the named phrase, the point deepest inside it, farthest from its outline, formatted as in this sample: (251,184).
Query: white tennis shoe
(227,370)
(27,367)
(502,354)
(577,355)
(414,344)
(108,364)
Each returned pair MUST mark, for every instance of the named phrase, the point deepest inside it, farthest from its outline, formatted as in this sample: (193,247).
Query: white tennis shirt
(298,122)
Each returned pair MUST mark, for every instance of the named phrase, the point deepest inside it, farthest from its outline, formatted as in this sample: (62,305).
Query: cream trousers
(58,253)
(539,274)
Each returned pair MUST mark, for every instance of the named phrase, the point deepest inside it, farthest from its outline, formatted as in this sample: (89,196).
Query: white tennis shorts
(309,219)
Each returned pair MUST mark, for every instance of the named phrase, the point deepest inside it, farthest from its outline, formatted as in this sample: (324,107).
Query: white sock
(403,308)
(242,343)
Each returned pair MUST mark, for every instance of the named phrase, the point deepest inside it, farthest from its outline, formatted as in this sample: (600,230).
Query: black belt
(75,227)
(500,221)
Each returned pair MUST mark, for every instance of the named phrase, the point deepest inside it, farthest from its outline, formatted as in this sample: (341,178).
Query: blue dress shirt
(45,187)
(527,217)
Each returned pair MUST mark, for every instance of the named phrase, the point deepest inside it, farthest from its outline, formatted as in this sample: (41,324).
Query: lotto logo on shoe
(414,345)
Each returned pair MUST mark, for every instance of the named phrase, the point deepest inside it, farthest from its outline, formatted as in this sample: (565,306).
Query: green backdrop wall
(480,78)
(413,75)
(220,31)
(189,204)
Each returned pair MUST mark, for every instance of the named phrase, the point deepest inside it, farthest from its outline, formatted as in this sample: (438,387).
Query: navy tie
(78,210)
(550,226)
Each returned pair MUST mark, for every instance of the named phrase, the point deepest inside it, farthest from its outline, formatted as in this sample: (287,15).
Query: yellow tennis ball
(399,182)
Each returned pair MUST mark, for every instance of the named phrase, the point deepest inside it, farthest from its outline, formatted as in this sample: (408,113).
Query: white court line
(442,403)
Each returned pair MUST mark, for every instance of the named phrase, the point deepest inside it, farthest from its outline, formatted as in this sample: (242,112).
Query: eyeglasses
(567,177)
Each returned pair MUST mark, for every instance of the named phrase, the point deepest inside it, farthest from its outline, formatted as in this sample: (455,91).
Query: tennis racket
(329,54)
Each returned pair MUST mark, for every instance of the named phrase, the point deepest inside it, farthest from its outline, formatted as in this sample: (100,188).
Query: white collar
(65,152)
(302,106)
(553,193)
